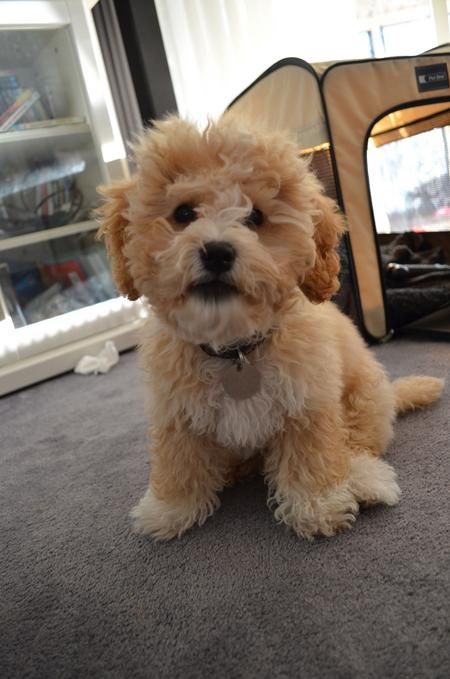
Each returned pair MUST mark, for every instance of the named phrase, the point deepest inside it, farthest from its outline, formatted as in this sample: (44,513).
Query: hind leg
(369,412)
(373,481)
(369,407)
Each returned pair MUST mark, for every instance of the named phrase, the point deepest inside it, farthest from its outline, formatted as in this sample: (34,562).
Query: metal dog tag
(241,382)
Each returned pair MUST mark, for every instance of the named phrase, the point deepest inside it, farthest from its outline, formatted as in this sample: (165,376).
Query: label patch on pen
(433,77)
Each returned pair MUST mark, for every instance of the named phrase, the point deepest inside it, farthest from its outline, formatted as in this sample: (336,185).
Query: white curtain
(215,48)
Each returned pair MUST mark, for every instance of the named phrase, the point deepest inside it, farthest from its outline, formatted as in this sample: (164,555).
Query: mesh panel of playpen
(321,165)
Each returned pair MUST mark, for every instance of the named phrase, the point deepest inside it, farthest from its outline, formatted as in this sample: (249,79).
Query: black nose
(217,256)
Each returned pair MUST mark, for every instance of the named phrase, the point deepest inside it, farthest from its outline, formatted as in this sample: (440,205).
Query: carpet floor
(241,597)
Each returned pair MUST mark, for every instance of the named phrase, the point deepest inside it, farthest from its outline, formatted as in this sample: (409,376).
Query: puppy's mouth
(215,290)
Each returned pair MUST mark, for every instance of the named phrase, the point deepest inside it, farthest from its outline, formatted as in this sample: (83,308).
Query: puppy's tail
(416,391)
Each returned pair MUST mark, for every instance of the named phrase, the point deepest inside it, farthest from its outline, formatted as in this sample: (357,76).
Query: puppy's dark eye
(184,214)
(255,218)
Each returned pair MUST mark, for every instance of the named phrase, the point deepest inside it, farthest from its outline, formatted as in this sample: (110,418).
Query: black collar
(236,350)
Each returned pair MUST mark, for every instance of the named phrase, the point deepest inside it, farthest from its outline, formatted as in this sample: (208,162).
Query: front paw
(323,514)
(166,520)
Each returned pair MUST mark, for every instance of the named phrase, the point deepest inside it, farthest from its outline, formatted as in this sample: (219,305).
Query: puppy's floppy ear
(321,282)
(113,224)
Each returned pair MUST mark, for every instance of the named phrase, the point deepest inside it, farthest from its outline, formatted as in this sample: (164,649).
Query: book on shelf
(10,90)
(9,304)
(27,106)
(18,109)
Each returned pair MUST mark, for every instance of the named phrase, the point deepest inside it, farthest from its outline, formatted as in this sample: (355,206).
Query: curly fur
(324,413)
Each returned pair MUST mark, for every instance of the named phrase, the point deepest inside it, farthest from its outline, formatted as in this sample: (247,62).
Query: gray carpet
(82,596)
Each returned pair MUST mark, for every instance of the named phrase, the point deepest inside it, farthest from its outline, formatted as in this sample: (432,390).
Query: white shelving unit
(57,299)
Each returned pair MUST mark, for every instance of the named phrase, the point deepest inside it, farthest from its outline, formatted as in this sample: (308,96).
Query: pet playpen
(378,134)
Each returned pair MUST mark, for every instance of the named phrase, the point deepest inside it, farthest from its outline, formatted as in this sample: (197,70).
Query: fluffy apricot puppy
(230,239)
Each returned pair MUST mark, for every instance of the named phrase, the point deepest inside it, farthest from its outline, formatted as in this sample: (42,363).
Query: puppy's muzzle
(217,258)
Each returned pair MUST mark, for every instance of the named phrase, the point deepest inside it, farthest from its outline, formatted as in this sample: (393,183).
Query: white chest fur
(250,423)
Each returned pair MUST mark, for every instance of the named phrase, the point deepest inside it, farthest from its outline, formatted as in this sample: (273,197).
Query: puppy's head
(217,229)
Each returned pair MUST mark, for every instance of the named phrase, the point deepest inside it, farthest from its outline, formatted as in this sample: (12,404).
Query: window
(397,27)
(408,163)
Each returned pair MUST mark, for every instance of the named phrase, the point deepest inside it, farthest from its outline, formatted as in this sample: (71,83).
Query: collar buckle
(236,352)
(241,360)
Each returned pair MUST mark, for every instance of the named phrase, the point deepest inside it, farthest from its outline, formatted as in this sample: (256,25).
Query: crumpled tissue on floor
(101,363)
